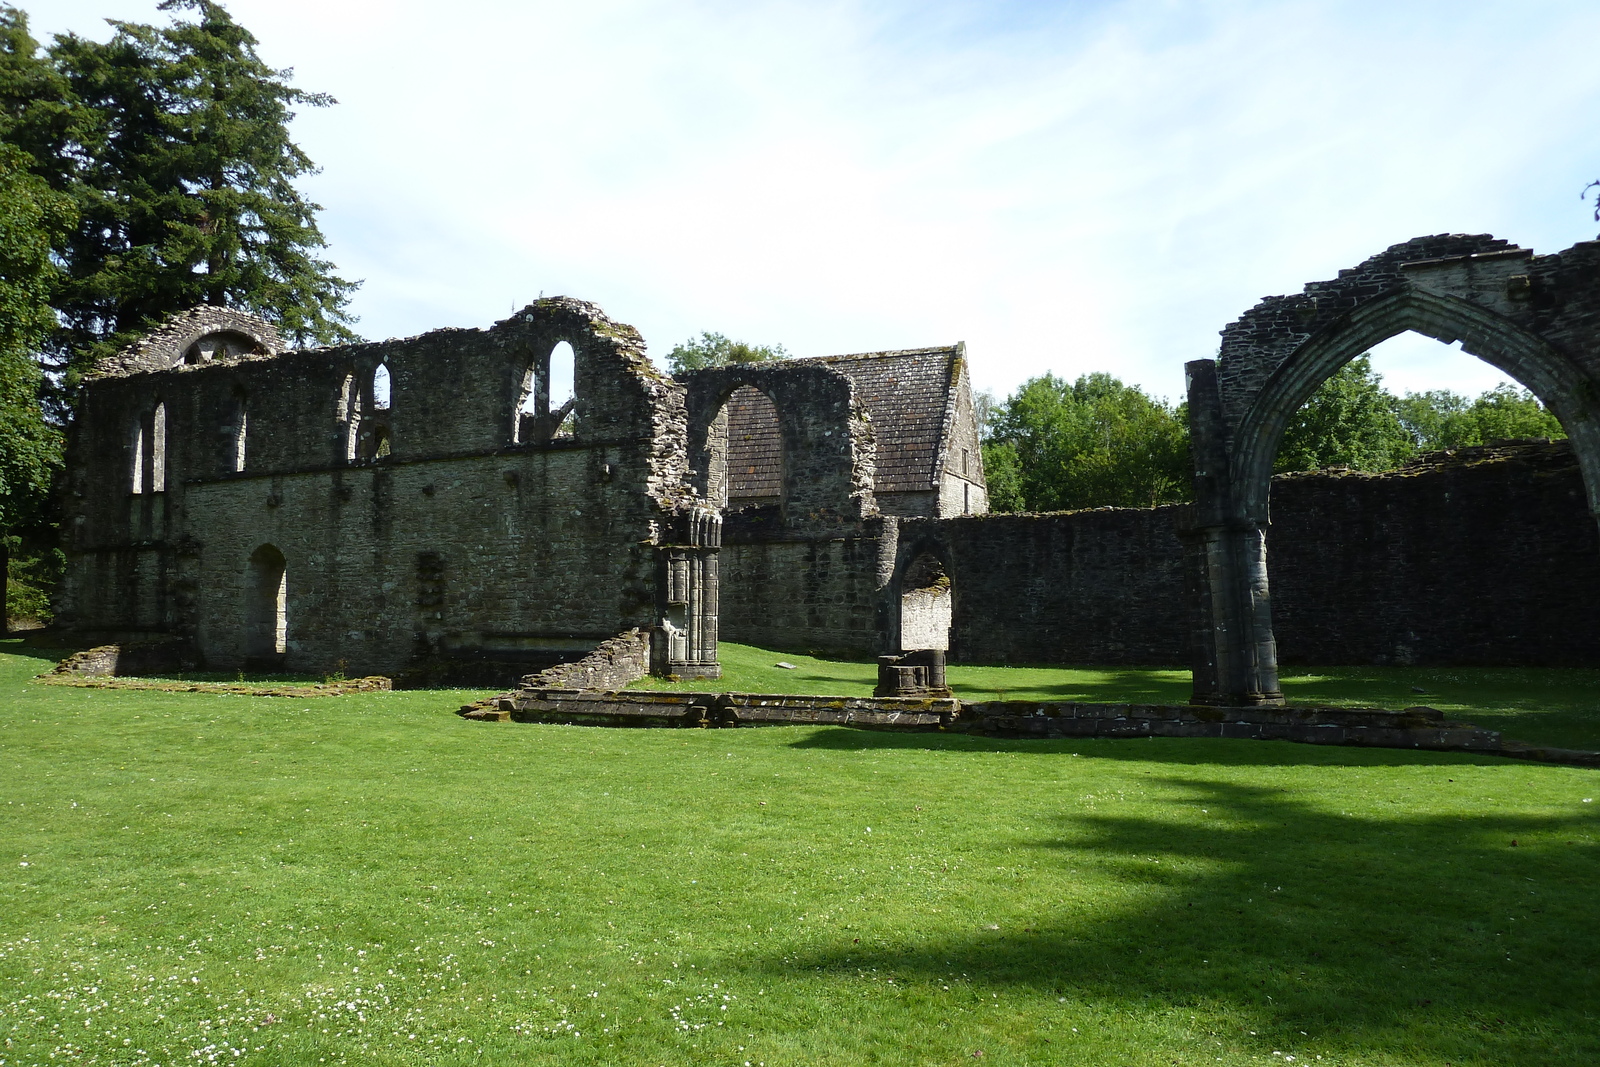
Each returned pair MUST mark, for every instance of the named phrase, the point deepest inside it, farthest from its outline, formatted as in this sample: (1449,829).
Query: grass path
(368,879)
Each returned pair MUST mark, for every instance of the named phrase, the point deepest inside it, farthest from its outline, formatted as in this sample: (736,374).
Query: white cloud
(1066,187)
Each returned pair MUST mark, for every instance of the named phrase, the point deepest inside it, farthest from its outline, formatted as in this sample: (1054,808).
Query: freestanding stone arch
(1535,317)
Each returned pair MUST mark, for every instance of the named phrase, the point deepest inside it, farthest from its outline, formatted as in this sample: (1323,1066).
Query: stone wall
(1485,556)
(412,535)
(821,595)
(1102,586)
(1482,556)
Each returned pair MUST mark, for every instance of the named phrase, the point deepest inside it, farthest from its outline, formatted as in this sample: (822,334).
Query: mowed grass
(195,878)
(1548,706)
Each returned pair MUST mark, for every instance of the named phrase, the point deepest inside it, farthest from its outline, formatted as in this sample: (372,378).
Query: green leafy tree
(31,213)
(1350,421)
(1094,442)
(715,350)
(174,143)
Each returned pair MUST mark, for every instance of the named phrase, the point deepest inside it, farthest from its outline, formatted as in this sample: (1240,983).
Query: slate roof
(755,446)
(908,393)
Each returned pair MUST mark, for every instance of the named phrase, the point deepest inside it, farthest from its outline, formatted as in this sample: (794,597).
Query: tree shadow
(1178,751)
(1466,938)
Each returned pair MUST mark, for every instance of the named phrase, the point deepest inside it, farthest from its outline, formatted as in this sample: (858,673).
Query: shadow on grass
(46,657)
(1110,686)
(1179,751)
(1425,938)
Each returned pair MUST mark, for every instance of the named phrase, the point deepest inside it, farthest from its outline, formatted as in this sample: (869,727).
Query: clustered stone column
(686,643)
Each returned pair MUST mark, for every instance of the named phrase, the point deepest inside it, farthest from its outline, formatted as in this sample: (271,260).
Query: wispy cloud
(1066,187)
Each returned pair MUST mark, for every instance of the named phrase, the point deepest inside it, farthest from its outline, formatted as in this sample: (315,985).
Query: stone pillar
(1235,656)
(685,641)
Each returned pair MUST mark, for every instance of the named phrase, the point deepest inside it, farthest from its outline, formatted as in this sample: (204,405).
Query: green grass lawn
(1539,705)
(369,879)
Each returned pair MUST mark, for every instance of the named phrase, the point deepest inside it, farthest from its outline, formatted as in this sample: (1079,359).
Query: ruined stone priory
(438,509)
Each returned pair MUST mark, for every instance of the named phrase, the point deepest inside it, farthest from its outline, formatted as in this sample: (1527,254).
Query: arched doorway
(266,610)
(1498,301)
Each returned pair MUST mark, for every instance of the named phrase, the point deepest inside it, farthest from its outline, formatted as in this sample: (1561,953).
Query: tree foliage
(716,350)
(1054,446)
(1350,421)
(1442,419)
(173,144)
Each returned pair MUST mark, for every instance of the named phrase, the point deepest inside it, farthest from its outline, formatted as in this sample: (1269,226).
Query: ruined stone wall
(1487,556)
(1484,556)
(821,594)
(453,543)
(1102,586)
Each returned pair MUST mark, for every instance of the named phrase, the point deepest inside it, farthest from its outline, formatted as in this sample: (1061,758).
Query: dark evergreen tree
(175,146)
(31,214)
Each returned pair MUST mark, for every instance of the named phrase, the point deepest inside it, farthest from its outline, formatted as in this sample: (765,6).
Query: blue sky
(1066,187)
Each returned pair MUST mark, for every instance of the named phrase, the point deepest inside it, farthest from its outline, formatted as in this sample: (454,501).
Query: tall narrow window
(240,433)
(563,389)
(138,457)
(382,388)
(350,416)
(158,450)
(266,612)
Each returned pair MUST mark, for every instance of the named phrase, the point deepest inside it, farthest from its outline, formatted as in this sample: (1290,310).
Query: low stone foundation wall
(1417,728)
(134,658)
(615,663)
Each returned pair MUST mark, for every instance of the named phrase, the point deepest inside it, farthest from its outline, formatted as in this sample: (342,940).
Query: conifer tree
(173,142)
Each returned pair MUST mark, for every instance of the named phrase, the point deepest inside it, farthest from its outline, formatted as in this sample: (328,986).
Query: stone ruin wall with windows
(447,534)
(476,528)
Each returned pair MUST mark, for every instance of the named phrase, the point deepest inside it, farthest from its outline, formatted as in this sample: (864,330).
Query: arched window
(158,449)
(546,400)
(563,383)
(380,443)
(382,388)
(138,456)
(747,456)
(266,613)
(925,605)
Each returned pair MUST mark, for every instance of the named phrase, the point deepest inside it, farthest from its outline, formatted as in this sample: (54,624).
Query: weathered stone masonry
(1476,557)
(413,538)
(1535,317)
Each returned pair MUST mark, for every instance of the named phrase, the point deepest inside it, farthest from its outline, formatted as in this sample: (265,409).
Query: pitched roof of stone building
(910,396)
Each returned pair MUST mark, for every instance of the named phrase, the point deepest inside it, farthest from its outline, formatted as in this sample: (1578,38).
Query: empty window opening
(240,432)
(747,454)
(138,457)
(222,345)
(350,417)
(546,400)
(158,449)
(380,443)
(382,388)
(563,379)
(925,605)
(266,605)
